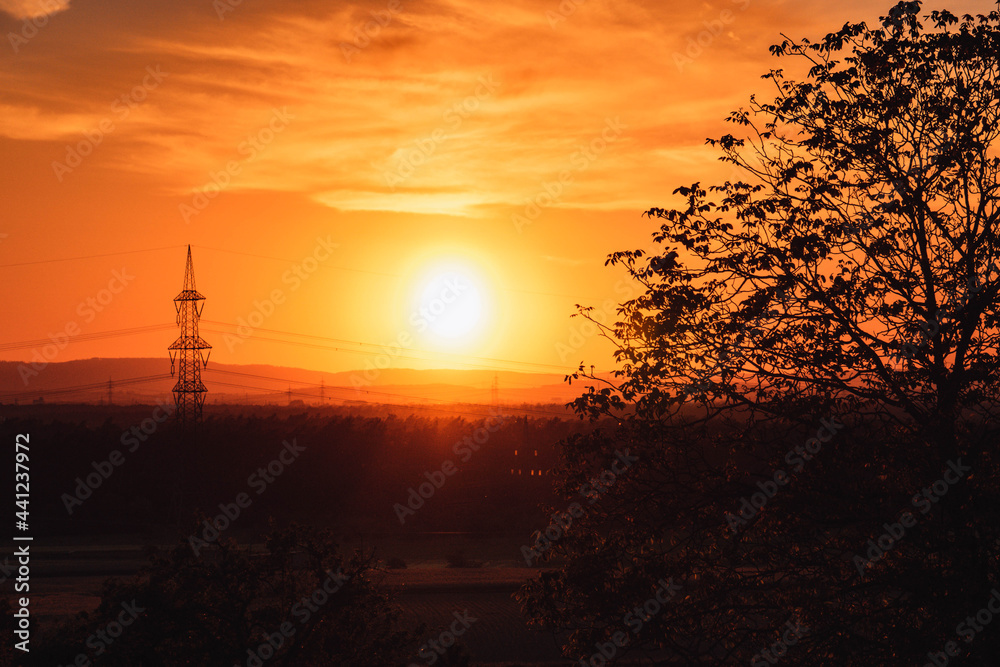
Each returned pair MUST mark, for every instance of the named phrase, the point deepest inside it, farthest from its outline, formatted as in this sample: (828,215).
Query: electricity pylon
(189,350)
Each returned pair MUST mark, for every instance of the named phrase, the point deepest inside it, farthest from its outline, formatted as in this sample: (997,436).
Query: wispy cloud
(356,121)
(447,203)
(34,124)
(29,9)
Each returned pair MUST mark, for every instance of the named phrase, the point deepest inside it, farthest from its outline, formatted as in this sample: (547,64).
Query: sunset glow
(531,139)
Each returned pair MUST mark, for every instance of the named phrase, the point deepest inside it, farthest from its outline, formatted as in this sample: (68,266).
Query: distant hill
(146,379)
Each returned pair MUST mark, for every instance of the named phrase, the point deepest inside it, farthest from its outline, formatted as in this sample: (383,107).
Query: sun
(449,303)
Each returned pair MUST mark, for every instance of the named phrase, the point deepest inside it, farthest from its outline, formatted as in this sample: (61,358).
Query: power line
(100,386)
(296,261)
(382,273)
(577,299)
(85,337)
(384,349)
(380,348)
(365,391)
(80,388)
(292,392)
(82,257)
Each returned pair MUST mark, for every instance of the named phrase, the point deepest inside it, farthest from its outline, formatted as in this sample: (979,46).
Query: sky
(395,182)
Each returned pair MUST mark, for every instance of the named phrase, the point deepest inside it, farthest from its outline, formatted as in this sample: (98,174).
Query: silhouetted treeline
(132,473)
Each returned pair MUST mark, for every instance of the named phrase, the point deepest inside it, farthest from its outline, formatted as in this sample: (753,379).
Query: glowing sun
(450,304)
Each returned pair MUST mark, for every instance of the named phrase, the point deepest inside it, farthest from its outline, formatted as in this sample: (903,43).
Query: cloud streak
(30,9)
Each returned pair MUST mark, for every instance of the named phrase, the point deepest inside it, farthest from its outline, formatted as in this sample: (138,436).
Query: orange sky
(410,139)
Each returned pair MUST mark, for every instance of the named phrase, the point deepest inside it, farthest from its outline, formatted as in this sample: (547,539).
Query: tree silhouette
(810,377)
(296,602)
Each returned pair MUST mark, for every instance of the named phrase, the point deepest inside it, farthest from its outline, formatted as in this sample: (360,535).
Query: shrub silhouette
(222,607)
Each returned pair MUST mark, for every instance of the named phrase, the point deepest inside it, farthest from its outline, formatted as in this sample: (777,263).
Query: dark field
(360,468)
(67,580)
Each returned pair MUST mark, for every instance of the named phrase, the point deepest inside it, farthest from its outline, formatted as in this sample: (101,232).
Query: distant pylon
(495,391)
(322,391)
(110,387)
(189,350)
